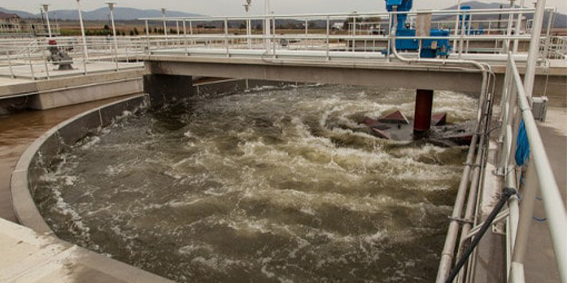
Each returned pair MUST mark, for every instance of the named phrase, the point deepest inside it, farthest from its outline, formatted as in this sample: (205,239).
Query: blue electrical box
(430,48)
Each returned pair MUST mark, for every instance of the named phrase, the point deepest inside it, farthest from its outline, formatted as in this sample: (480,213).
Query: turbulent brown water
(272,185)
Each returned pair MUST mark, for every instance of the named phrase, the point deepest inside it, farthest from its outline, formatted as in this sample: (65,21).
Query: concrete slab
(31,257)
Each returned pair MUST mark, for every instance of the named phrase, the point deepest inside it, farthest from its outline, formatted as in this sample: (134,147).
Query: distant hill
(559,22)
(22,14)
(120,14)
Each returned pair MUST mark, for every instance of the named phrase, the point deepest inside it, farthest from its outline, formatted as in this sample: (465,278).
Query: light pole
(248,22)
(82,30)
(46,10)
(111,7)
(164,22)
(267,28)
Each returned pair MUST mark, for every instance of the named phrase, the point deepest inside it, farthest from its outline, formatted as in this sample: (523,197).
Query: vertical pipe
(267,28)
(461,40)
(10,64)
(423,111)
(327,35)
(548,32)
(111,7)
(529,76)
(164,23)
(526,214)
(509,27)
(226,37)
(518,27)
(85,51)
(46,9)
(457,23)
(148,36)
(31,65)
(185,41)
(178,33)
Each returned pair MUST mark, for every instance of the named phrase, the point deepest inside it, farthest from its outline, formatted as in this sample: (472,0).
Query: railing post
(10,64)
(526,213)
(148,37)
(226,37)
(462,38)
(548,32)
(31,65)
(529,77)
(327,40)
(186,42)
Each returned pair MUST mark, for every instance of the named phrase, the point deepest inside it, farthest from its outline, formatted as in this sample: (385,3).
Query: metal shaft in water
(423,110)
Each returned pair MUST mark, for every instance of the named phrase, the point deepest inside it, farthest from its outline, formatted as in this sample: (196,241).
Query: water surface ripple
(272,185)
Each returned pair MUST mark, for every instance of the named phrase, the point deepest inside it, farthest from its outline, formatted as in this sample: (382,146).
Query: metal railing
(31,59)
(516,107)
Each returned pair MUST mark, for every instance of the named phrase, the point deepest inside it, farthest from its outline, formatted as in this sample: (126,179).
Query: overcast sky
(234,7)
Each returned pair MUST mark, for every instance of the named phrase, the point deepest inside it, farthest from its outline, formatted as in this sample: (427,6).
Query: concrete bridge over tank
(551,80)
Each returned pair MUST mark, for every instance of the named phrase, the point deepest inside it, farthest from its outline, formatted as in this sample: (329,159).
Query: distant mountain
(22,14)
(559,22)
(120,14)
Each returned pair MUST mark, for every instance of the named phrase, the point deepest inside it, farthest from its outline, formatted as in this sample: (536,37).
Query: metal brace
(461,220)
(471,164)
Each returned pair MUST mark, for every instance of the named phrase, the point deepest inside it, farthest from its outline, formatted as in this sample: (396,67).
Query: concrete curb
(43,149)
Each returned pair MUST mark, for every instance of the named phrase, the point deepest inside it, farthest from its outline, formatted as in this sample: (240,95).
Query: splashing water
(275,185)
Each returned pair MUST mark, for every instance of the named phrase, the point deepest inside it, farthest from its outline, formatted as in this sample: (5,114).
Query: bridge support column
(167,88)
(423,111)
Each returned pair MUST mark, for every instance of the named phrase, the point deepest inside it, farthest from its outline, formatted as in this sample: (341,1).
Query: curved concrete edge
(47,146)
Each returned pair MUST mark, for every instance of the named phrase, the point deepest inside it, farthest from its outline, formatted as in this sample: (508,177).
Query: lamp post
(111,7)
(46,10)
(82,30)
(164,22)
(267,28)
(248,22)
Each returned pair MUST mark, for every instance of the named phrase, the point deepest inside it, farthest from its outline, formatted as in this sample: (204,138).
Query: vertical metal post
(457,23)
(390,43)
(46,10)
(267,28)
(185,41)
(46,68)
(164,23)
(31,65)
(529,76)
(548,32)
(509,27)
(178,33)
(10,64)
(354,34)
(148,36)
(111,7)
(327,40)
(226,37)
(518,27)
(85,51)
(526,214)
(306,27)
(461,40)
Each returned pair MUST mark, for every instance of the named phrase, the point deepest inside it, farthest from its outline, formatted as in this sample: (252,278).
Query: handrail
(552,200)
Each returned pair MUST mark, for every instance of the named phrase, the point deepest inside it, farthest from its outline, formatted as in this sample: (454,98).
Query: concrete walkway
(540,262)
(30,257)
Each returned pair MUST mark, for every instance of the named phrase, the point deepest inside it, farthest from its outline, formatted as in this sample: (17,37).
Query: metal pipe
(519,248)
(267,25)
(164,23)
(503,198)
(534,48)
(46,10)
(451,239)
(518,27)
(553,203)
(85,52)
(111,7)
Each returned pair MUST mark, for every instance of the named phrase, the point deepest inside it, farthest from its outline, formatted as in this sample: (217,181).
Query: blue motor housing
(430,48)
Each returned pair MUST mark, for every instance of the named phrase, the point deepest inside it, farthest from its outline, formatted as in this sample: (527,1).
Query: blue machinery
(430,48)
